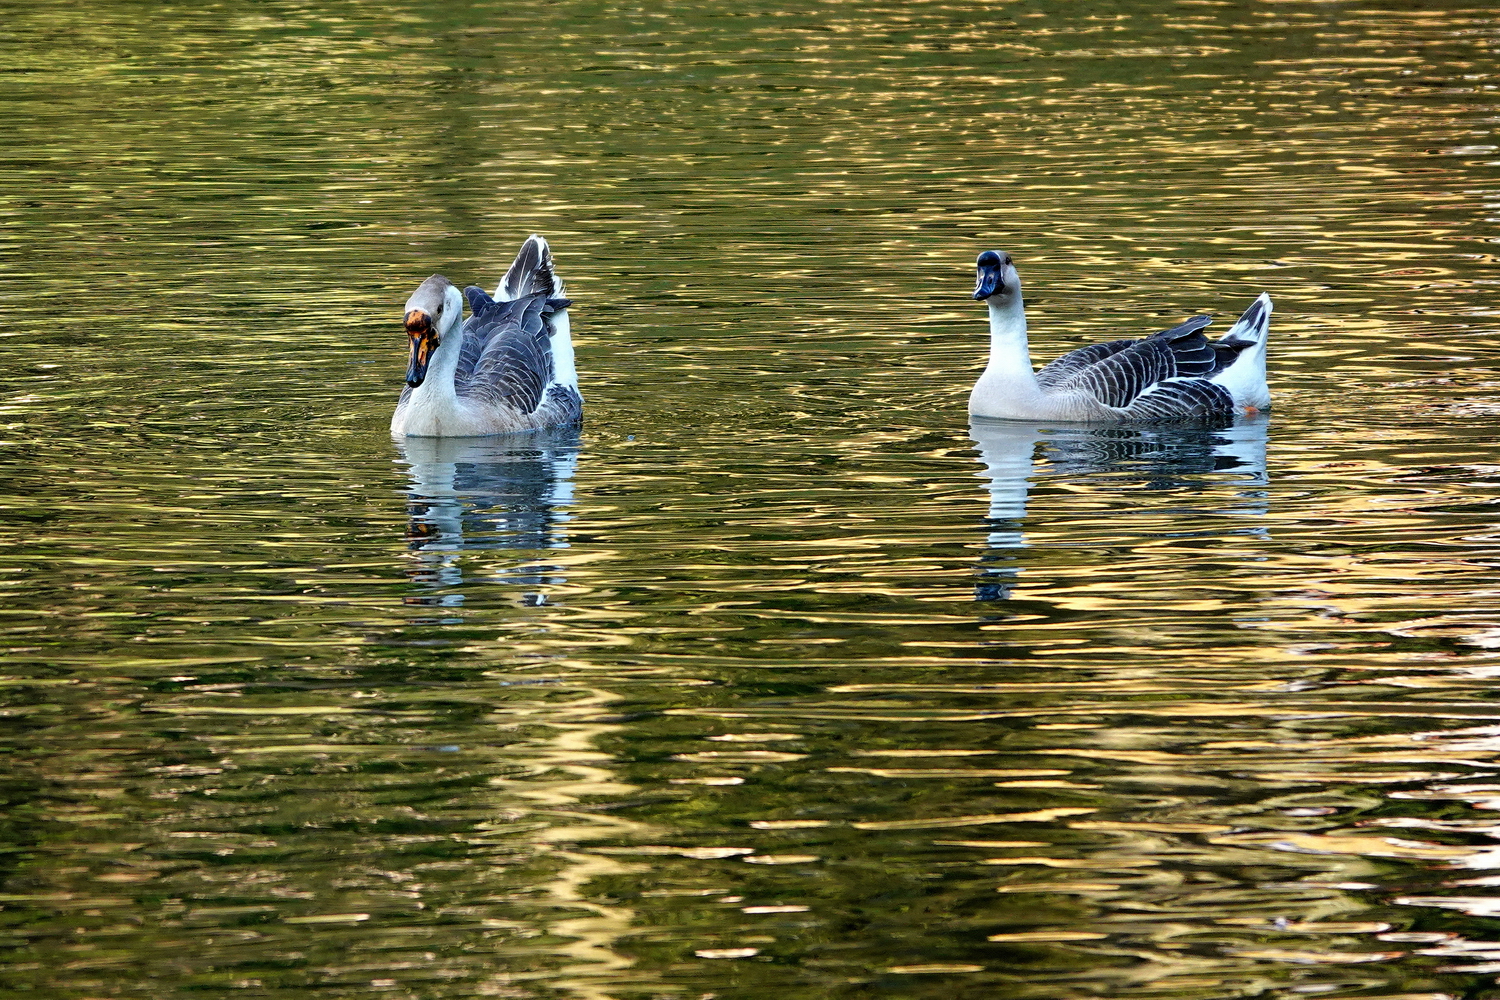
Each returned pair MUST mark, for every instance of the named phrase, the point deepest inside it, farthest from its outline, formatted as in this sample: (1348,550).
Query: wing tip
(1186,328)
(479,300)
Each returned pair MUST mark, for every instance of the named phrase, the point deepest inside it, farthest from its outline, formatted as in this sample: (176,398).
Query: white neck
(1008,387)
(433,406)
(444,363)
(1010,354)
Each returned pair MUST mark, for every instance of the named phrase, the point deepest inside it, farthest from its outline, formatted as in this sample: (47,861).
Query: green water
(780,679)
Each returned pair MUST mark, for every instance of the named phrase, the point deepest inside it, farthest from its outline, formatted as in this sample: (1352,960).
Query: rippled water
(781,678)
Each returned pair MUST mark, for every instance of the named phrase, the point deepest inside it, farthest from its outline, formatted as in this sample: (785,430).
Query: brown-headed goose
(508,368)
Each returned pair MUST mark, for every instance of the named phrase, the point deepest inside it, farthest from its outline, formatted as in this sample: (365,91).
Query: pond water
(780,678)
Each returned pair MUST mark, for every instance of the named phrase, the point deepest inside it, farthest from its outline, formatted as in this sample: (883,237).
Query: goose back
(507,349)
(1163,376)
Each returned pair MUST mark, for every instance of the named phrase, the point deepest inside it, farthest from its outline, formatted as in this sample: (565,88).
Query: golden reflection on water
(781,679)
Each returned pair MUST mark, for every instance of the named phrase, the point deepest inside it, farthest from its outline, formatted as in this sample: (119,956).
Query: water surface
(781,678)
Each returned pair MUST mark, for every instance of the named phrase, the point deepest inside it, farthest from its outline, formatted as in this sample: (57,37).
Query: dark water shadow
(1017,455)
(486,495)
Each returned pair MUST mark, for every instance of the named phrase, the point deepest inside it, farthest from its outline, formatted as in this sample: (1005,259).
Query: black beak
(987,281)
(424,341)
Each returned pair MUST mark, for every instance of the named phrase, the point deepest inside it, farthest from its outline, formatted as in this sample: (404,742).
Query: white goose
(1177,374)
(509,368)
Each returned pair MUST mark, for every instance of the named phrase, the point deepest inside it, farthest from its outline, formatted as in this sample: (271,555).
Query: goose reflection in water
(1018,454)
(472,495)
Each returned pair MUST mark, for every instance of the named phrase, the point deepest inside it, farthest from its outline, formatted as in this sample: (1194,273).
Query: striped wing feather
(1060,370)
(530,274)
(1158,377)
(507,351)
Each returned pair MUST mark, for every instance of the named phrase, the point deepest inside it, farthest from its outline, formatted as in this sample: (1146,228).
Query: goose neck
(437,388)
(1009,351)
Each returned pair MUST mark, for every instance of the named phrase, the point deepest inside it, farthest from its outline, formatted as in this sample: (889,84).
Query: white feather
(1246,378)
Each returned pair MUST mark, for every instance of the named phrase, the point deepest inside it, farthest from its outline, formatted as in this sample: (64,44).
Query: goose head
(995,276)
(433,314)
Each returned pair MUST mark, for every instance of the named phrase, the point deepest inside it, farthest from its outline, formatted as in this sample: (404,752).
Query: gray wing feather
(511,350)
(1116,380)
(1190,349)
(530,274)
(478,329)
(1192,355)
(566,403)
(1182,399)
(1070,364)
(1118,372)
(1190,325)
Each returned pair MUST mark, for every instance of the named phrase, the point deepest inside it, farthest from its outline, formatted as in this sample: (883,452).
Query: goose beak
(987,281)
(424,341)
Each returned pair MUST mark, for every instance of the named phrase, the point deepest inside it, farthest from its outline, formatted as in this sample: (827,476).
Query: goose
(1174,375)
(508,368)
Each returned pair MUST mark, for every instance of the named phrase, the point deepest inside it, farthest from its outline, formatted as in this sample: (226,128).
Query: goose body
(508,368)
(1175,375)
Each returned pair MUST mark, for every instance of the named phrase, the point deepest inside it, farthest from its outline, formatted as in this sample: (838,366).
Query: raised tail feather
(531,274)
(1252,324)
(1242,356)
